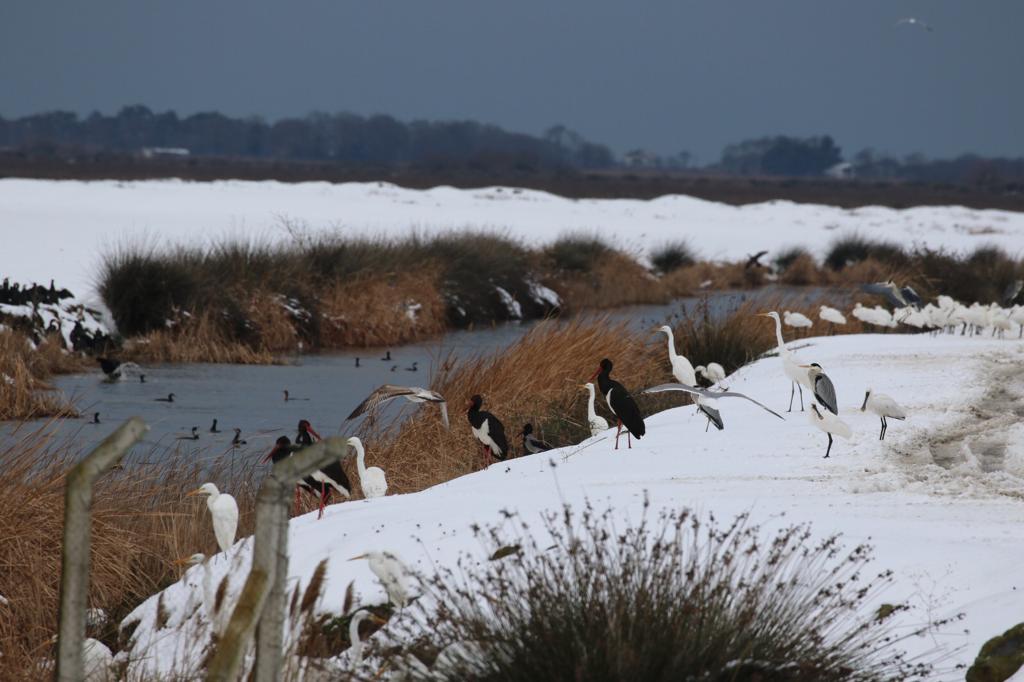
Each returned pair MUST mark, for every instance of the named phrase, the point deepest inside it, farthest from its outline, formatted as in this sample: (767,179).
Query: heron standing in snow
(797,376)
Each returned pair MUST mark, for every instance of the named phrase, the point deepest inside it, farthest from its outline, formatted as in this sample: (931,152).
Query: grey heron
(824,390)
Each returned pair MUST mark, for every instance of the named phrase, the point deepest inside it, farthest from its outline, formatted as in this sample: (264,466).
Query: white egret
(353,633)
(713,372)
(223,512)
(790,366)
(796,320)
(392,573)
(829,423)
(371,479)
(883,407)
(596,423)
(413,394)
(682,370)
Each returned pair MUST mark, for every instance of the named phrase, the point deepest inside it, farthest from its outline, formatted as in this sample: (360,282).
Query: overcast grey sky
(663,75)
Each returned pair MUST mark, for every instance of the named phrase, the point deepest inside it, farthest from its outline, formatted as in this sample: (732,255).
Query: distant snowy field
(941,499)
(59,228)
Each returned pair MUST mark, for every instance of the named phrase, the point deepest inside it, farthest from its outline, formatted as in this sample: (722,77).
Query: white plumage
(97,660)
(883,407)
(796,319)
(371,479)
(682,370)
(714,372)
(790,364)
(831,315)
(596,422)
(223,512)
(392,573)
(829,423)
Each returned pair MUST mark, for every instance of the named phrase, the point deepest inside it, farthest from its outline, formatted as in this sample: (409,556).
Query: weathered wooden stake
(263,598)
(74,578)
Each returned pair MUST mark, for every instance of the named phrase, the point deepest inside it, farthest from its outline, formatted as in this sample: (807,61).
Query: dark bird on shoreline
(621,403)
(531,444)
(488,430)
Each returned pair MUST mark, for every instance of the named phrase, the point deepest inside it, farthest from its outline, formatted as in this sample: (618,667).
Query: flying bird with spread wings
(413,394)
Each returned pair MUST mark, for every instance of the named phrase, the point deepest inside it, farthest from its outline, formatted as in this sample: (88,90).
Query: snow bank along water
(77,221)
(942,509)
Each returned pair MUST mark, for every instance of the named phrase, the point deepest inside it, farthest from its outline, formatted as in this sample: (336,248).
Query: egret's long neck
(778,336)
(361,460)
(671,345)
(211,499)
(591,414)
(353,636)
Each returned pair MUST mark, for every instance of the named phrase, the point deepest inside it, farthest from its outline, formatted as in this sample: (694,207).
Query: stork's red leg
(617,434)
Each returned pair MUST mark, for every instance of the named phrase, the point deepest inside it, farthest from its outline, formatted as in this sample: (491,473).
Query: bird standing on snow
(824,391)
(487,429)
(371,479)
(830,424)
(223,512)
(832,316)
(532,444)
(596,423)
(883,407)
(621,403)
(392,573)
(414,394)
(797,376)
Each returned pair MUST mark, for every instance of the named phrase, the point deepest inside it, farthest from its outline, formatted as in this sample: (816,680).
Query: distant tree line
(382,141)
(344,138)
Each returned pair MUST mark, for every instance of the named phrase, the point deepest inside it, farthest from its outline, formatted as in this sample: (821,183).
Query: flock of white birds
(948,315)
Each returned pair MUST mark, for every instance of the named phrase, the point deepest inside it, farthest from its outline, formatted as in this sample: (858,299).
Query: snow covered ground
(59,228)
(941,499)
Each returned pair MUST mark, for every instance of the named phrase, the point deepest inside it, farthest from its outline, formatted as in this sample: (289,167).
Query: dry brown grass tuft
(24,393)
(536,380)
(614,280)
(375,310)
(141,523)
(198,339)
(802,271)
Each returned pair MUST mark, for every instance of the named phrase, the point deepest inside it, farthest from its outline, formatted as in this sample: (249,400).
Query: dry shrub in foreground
(24,393)
(682,597)
(141,523)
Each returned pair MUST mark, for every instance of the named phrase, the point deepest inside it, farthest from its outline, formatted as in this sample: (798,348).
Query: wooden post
(263,598)
(74,577)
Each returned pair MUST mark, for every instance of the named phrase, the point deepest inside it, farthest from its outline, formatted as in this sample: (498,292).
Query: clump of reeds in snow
(680,597)
(141,523)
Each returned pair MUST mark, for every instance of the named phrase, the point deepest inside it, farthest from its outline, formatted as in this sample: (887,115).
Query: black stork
(331,476)
(531,443)
(621,403)
(488,431)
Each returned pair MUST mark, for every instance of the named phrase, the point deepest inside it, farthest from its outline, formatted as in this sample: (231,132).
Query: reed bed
(142,521)
(24,393)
